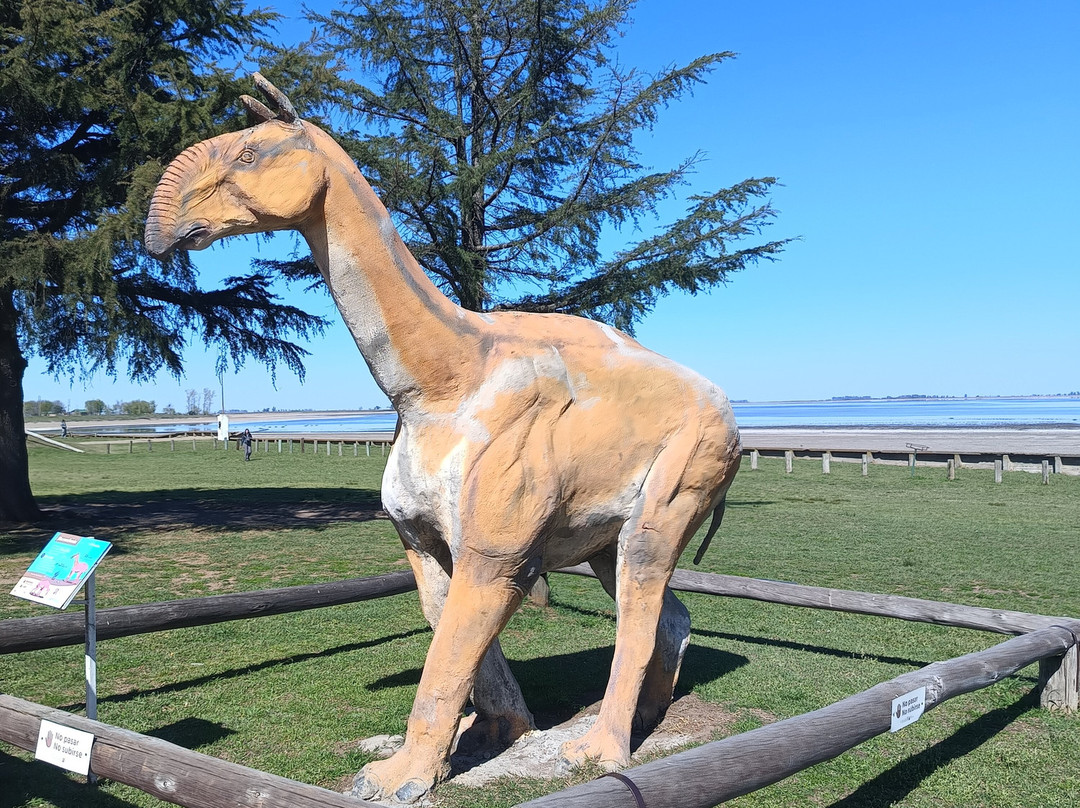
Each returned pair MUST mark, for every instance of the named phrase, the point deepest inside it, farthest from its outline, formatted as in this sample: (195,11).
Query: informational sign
(907,709)
(223,427)
(64,747)
(61,569)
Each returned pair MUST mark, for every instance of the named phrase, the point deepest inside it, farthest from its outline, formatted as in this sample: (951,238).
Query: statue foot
(402,779)
(489,736)
(606,751)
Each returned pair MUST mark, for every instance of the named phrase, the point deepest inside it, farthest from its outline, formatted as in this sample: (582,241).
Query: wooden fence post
(1006,463)
(193,443)
(1058,465)
(1059,682)
(301,445)
(355,449)
(1046,472)
(789,457)
(369,448)
(911,462)
(866,464)
(131,446)
(279,445)
(149,445)
(541,591)
(952,469)
(172,444)
(108,448)
(826,458)
(753,459)
(339,449)
(997,471)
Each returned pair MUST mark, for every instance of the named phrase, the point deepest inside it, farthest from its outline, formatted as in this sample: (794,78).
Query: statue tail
(717,518)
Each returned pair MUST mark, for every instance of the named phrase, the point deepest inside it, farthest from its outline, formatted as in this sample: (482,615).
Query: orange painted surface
(527,442)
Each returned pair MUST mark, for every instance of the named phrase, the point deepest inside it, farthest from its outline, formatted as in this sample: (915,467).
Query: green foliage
(506,152)
(42,407)
(96,96)
(138,407)
(95,406)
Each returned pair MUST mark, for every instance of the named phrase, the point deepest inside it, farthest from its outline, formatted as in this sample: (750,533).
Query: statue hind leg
(672,639)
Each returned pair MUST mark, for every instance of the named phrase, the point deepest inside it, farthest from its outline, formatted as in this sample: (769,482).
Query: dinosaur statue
(526,442)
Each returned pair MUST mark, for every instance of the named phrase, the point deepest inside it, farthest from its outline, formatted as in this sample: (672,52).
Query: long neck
(422,348)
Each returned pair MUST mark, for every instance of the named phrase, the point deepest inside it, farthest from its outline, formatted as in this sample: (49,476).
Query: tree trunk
(16,502)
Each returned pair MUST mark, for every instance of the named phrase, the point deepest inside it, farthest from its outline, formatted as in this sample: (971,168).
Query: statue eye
(247,156)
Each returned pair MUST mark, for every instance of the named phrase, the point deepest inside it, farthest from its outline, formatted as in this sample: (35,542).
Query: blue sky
(929,158)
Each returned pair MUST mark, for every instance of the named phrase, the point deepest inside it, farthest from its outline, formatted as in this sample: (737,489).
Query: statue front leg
(501,713)
(476,609)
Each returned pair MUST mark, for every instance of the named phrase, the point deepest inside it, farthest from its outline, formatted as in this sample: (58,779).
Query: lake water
(875,412)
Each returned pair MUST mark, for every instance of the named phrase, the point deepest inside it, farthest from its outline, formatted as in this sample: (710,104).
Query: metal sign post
(91,648)
(90,604)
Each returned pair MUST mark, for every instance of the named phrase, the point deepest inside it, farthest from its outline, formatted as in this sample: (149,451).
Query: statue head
(266,177)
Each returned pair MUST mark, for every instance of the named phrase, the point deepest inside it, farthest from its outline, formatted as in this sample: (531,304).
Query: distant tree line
(94,406)
(198,403)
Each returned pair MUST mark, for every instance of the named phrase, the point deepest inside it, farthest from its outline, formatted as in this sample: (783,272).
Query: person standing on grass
(245,441)
(63,428)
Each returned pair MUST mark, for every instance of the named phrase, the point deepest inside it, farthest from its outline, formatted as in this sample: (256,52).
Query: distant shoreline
(52,422)
(887,399)
(1047,439)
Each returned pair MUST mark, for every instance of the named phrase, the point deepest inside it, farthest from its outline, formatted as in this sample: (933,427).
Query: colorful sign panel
(61,569)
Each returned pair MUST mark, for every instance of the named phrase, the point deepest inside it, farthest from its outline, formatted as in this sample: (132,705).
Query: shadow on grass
(769,641)
(810,649)
(35,783)
(123,514)
(191,733)
(200,681)
(891,786)
(558,687)
(750,503)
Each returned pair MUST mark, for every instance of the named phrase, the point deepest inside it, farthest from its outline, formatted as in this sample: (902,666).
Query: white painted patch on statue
(908,708)
(64,747)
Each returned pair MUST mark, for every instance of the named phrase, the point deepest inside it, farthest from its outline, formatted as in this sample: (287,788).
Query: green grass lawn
(291,694)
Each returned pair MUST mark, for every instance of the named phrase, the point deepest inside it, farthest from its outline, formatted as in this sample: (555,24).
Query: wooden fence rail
(843,600)
(722,770)
(703,776)
(165,770)
(55,630)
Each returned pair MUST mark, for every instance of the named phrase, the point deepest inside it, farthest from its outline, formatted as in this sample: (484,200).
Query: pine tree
(505,153)
(95,97)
